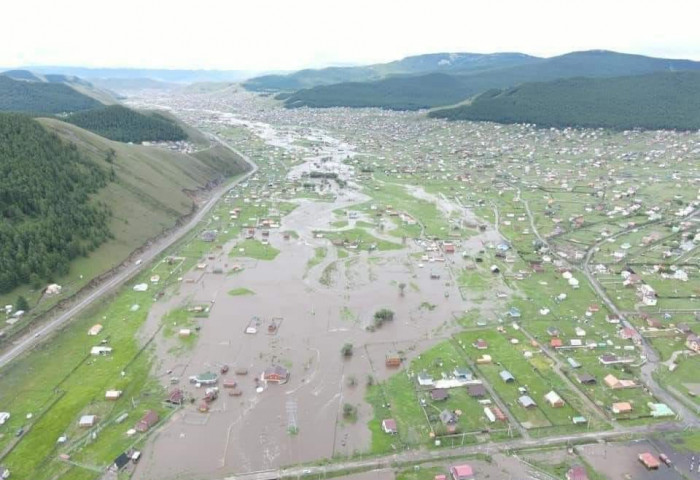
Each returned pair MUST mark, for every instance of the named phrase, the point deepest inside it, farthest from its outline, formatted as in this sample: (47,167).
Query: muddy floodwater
(251,432)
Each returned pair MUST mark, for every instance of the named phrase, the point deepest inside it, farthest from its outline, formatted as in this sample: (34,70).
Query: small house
(87,421)
(500,416)
(389,426)
(556,342)
(425,380)
(462,472)
(526,401)
(149,419)
(175,397)
(554,399)
(480,344)
(439,394)
(613,382)
(573,363)
(476,390)
(621,407)
(586,379)
(113,394)
(276,374)
(506,376)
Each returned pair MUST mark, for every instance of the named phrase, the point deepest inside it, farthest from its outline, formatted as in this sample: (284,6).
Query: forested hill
(125,125)
(668,100)
(46,217)
(41,97)
(433,90)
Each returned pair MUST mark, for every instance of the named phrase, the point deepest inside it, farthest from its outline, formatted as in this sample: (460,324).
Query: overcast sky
(291,34)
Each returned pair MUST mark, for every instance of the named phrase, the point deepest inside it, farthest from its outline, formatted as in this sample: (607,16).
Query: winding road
(127,270)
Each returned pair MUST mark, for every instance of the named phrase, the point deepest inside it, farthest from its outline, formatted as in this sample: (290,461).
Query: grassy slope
(147,198)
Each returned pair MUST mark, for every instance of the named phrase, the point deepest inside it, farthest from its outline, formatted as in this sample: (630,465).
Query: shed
(660,410)
(439,394)
(554,399)
(621,407)
(586,379)
(476,390)
(506,376)
(526,401)
(113,394)
(95,330)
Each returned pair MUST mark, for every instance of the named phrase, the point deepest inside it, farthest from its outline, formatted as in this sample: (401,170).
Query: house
(578,420)
(586,379)
(613,382)
(506,376)
(448,417)
(476,390)
(577,472)
(649,461)
(612,318)
(659,410)
(480,344)
(621,407)
(424,379)
(462,472)
(113,394)
(87,421)
(175,397)
(149,419)
(526,401)
(611,359)
(95,330)
(277,374)
(693,343)
(554,399)
(439,394)
(462,373)
(556,342)
(389,426)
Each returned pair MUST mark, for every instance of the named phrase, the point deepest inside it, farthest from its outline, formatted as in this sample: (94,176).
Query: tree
(22,304)
(346,350)
(402,289)
(349,410)
(383,315)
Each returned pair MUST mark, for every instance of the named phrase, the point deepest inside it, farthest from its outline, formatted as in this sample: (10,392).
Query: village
(385,283)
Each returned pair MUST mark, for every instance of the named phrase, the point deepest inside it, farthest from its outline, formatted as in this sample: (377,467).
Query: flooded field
(316,313)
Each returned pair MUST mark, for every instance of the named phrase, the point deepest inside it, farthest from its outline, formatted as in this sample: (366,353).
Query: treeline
(126,125)
(46,216)
(668,100)
(41,98)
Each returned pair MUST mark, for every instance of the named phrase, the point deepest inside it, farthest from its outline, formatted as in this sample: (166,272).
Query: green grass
(319,254)
(254,249)
(363,239)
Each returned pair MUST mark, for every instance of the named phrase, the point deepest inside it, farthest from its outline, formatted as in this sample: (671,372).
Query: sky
(261,35)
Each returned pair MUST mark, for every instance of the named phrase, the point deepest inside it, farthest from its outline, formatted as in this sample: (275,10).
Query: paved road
(125,272)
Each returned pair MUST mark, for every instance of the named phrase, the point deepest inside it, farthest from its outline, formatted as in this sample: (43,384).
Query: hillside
(435,62)
(47,219)
(42,97)
(666,100)
(392,93)
(123,124)
(149,191)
